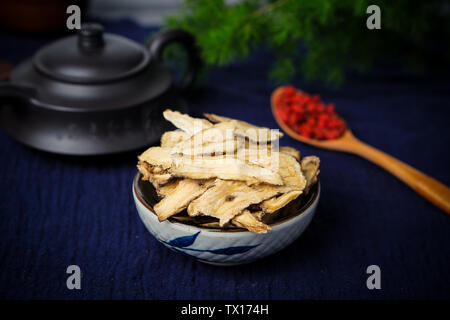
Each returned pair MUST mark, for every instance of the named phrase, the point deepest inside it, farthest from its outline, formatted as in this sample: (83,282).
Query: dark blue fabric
(58,211)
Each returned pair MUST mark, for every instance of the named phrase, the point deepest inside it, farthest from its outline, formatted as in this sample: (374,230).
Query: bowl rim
(137,193)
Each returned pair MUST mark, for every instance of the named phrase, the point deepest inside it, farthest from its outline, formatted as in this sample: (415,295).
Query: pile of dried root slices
(228,170)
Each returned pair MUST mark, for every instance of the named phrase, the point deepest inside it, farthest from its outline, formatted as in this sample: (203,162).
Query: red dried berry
(308,115)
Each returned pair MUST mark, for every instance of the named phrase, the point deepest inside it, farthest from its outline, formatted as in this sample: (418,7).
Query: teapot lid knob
(90,35)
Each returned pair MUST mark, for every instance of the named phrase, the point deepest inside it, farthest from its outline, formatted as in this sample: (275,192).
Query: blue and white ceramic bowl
(218,246)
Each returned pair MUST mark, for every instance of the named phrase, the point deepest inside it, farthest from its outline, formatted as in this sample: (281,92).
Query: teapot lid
(91,57)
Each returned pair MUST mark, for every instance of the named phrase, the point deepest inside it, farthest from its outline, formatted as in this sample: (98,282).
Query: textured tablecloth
(58,211)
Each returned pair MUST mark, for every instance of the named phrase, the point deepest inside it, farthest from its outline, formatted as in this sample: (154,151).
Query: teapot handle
(187,40)
(8,90)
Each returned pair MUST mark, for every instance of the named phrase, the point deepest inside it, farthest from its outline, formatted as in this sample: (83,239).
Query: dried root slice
(292,176)
(226,168)
(290,171)
(156,175)
(259,215)
(168,188)
(310,168)
(273,204)
(213,198)
(290,151)
(206,167)
(145,169)
(211,148)
(218,139)
(186,123)
(268,148)
(248,221)
(259,155)
(157,157)
(172,138)
(160,179)
(179,197)
(226,199)
(247,130)
(288,167)
(215,118)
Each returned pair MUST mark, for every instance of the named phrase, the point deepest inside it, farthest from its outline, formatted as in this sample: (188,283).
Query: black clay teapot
(94,93)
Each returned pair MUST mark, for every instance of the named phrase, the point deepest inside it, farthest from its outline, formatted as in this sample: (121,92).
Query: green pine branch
(333,33)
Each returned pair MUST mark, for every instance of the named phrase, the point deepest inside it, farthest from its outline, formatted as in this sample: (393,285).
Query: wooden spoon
(429,188)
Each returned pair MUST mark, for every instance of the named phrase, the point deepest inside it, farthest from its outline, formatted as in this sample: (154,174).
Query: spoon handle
(429,188)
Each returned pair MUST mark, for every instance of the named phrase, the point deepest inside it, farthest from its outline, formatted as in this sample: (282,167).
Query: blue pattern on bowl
(186,241)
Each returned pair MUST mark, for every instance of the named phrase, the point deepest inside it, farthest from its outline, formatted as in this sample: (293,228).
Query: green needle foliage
(320,38)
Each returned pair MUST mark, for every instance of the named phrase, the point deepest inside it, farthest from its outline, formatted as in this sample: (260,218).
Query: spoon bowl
(428,187)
